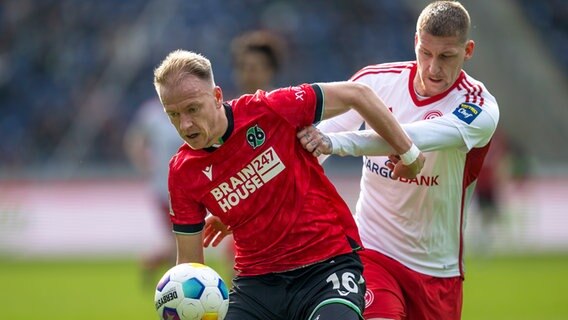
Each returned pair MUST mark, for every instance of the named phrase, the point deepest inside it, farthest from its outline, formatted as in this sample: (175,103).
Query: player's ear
(218,93)
(415,39)
(469,49)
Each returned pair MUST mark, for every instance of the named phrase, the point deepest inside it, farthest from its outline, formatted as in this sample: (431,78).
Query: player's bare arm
(189,248)
(340,96)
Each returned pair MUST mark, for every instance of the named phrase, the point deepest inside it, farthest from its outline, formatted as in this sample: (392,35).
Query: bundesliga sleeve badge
(467,112)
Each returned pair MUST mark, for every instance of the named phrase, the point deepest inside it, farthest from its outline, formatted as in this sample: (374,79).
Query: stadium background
(75,216)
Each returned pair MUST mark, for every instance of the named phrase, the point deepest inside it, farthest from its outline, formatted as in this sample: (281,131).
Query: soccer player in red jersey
(295,238)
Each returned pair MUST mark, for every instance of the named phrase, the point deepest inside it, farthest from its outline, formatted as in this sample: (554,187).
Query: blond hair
(445,19)
(180,63)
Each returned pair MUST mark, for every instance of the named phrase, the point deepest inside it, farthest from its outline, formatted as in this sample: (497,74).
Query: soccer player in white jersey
(412,229)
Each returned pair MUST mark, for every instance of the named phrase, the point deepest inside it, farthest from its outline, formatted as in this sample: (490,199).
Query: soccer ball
(191,291)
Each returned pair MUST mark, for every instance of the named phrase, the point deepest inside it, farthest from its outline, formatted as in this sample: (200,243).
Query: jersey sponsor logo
(255,136)
(432,114)
(467,112)
(299,93)
(208,172)
(248,180)
(385,172)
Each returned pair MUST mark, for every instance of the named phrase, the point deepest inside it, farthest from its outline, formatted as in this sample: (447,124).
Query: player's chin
(436,87)
(194,145)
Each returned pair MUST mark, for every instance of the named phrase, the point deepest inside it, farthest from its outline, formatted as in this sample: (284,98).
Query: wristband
(410,156)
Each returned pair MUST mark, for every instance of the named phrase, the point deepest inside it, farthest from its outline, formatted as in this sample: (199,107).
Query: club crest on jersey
(467,112)
(432,114)
(369,298)
(255,136)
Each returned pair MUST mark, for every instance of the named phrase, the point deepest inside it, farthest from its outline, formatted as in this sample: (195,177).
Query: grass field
(530,287)
(533,287)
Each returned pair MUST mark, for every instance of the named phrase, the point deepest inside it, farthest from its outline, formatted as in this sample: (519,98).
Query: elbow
(363,99)
(362,95)
(361,90)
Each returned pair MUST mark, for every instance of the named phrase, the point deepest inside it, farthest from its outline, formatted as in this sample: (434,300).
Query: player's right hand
(409,171)
(214,231)
(314,141)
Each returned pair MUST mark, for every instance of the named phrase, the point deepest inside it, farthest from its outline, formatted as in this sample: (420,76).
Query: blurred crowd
(550,17)
(72,73)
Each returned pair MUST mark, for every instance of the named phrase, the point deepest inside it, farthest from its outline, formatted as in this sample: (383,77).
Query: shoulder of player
(470,90)
(267,99)
(184,159)
(377,70)
(468,109)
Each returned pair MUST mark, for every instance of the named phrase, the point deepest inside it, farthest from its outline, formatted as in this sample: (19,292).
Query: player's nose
(185,122)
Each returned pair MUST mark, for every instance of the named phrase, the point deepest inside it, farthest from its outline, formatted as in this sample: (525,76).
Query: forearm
(189,248)
(341,96)
(381,120)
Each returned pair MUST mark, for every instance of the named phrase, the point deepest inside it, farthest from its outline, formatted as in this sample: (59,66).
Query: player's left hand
(400,170)
(314,141)
(214,231)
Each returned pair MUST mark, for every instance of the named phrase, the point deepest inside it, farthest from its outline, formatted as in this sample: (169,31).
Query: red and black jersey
(283,210)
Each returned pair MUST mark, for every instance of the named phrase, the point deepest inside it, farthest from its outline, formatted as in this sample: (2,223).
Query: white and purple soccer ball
(191,291)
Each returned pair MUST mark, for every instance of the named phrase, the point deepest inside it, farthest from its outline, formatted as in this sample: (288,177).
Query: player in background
(257,58)
(149,143)
(295,238)
(495,174)
(412,229)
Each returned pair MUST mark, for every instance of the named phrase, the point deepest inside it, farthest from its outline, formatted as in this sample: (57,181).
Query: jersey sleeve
(449,131)
(300,105)
(186,214)
(476,124)
(427,135)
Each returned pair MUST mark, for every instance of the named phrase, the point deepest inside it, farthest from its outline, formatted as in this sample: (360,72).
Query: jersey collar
(230,127)
(423,102)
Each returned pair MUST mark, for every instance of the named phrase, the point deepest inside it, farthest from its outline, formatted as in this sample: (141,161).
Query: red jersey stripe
(382,68)
(473,92)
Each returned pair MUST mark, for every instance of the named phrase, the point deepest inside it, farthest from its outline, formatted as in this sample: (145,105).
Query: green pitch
(497,288)
(529,287)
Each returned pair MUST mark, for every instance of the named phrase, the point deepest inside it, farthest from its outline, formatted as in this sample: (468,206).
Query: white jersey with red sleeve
(419,222)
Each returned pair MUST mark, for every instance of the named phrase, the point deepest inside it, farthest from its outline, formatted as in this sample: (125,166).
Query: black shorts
(297,294)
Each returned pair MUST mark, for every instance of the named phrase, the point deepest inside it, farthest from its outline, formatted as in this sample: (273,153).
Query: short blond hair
(445,19)
(180,63)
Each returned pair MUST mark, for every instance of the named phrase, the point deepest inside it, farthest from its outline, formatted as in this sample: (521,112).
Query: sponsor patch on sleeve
(467,112)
